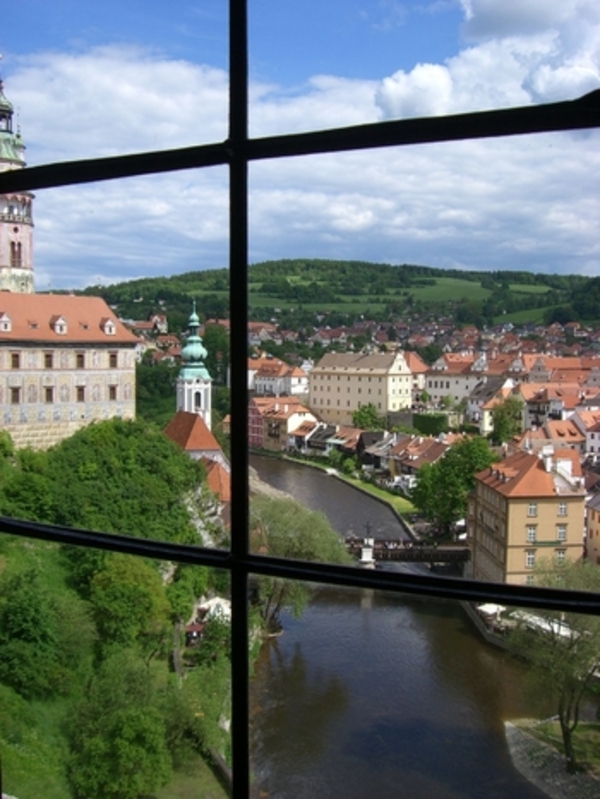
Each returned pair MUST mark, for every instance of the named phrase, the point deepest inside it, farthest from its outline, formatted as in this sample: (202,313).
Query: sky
(94,79)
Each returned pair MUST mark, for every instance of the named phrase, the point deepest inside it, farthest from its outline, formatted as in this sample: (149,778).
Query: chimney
(547,456)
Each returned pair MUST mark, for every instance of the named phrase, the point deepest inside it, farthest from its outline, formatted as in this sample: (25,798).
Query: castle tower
(194,381)
(16,223)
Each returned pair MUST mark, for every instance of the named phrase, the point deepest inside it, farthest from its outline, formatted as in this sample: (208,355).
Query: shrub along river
(374,695)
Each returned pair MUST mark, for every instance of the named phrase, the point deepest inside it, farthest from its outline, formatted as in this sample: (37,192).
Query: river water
(374,695)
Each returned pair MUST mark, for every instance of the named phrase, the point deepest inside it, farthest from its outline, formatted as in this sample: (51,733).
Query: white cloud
(528,51)
(525,202)
(491,18)
(116,99)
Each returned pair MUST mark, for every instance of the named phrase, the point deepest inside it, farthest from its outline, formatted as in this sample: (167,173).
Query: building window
(80,393)
(16,254)
(80,360)
(112,360)
(15,396)
(562,508)
(15,360)
(561,532)
(530,558)
(48,360)
(112,393)
(532,509)
(49,395)
(531,534)
(560,556)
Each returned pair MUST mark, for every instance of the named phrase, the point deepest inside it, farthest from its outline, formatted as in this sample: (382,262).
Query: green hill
(352,288)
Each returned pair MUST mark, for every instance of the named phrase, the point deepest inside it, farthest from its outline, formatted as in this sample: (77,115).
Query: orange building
(526,509)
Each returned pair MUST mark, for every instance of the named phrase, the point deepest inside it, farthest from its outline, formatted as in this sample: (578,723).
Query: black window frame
(236,153)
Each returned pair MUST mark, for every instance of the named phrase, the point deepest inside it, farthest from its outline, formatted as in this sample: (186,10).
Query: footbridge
(370,550)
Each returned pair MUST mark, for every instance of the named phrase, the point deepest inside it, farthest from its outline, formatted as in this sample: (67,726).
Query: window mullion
(238,297)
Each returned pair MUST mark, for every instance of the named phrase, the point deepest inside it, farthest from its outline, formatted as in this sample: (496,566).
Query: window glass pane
(103,370)
(319,65)
(476,206)
(97,80)
(367,691)
(104,653)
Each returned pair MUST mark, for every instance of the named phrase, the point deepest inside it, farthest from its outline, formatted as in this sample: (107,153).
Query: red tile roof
(218,479)
(189,430)
(33,316)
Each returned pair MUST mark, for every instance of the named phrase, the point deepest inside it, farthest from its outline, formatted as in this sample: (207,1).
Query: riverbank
(544,766)
(400,506)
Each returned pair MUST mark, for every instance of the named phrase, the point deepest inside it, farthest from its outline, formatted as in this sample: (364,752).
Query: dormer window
(108,326)
(59,325)
(5,322)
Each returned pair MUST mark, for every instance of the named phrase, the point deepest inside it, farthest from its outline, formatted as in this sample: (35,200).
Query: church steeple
(194,381)
(16,222)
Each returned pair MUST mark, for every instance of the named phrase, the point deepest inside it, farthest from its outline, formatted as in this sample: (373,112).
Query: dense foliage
(443,487)
(367,418)
(116,476)
(285,529)
(507,420)
(562,648)
(91,636)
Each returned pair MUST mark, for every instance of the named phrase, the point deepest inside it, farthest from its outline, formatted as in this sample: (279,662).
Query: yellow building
(592,530)
(344,381)
(526,509)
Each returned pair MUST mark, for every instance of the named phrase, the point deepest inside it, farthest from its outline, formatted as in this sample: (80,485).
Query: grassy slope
(193,782)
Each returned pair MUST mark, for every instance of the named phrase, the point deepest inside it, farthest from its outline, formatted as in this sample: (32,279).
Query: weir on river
(370,694)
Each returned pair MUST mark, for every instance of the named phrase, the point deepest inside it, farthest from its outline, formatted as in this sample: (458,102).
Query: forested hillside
(90,703)
(357,287)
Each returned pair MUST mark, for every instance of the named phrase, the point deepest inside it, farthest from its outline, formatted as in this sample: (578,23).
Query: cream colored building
(65,361)
(524,510)
(340,383)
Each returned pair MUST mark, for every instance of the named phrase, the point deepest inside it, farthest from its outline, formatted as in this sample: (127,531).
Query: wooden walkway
(407,551)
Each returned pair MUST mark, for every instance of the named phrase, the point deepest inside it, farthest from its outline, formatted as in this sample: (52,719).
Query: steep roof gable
(189,430)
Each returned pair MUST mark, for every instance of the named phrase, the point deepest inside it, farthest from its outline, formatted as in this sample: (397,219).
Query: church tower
(194,381)
(16,222)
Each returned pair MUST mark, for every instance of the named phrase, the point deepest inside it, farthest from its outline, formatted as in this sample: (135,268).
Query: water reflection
(376,695)
(299,721)
(379,696)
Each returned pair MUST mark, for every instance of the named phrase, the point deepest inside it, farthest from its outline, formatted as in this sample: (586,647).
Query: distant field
(450,289)
(535,315)
(446,289)
(354,305)
(523,288)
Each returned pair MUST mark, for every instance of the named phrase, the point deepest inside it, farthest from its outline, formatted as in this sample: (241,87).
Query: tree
(367,418)
(118,734)
(216,341)
(130,604)
(285,529)
(507,420)
(46,636)
(443,487)
(116,476)
(155,391)
(563,649)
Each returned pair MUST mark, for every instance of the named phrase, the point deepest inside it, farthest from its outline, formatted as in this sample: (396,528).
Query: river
(374,695)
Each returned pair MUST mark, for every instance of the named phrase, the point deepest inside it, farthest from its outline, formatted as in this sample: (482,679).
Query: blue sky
(89,79)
